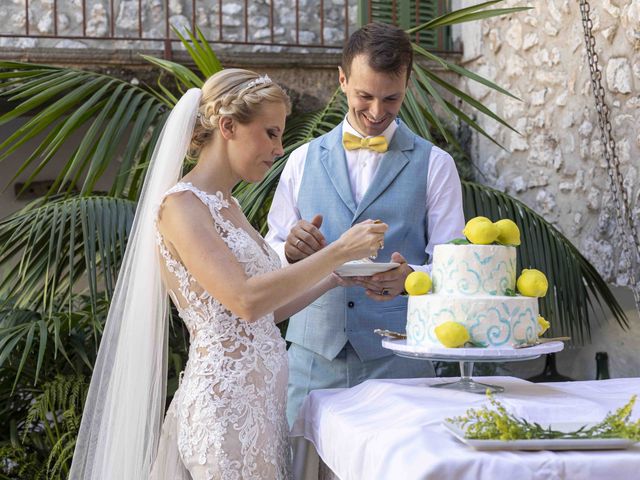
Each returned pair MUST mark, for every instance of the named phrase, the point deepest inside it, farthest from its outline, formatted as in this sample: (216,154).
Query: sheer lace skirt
(231,423)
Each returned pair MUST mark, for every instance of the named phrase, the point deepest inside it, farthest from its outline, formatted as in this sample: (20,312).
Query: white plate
(363,269)
(543,444)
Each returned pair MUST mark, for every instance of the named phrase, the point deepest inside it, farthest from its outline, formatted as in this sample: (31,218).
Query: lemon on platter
(417,283)
(532,283)
(543,325)
(508,232)
(480,231)
(452,334)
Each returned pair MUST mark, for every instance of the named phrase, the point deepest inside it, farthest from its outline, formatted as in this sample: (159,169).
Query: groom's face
(374,98)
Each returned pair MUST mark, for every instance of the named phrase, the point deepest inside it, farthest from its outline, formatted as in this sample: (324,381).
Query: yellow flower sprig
(498,424)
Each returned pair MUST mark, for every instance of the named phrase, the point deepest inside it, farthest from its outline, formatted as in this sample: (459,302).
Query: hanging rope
(627,223)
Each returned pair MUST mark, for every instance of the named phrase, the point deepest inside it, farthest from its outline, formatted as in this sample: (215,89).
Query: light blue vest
(397,196)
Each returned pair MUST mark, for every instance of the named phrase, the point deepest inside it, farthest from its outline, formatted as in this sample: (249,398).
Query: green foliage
(63,101)
(26,399)
(47,436)
(427,86)
(60,241)
(498,424)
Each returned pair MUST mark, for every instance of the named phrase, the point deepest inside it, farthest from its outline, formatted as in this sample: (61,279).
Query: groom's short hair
(387,47)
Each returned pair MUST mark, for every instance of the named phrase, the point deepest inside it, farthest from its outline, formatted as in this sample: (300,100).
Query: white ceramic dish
(543,444)
(363,269)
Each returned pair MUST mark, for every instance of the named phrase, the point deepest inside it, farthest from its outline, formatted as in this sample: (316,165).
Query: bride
(191,240)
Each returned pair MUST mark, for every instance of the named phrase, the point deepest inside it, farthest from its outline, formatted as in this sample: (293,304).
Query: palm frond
(200,52)
(183,77)
(468,14)
(62,101)
(418,109)
(60,242)
(203,56)
(31,343)
(573,282)
(116,115)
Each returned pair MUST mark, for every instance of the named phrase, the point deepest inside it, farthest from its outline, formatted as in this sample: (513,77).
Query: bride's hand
(363,240)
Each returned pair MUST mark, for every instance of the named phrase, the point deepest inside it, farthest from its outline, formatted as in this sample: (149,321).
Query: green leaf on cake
(510,292)
(459,241)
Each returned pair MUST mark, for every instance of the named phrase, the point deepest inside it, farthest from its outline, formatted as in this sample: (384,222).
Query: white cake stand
(467,356)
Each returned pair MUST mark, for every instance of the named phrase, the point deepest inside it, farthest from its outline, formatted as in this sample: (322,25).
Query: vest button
(351,304)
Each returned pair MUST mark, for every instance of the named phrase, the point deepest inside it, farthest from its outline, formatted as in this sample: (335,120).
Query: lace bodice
(230,406)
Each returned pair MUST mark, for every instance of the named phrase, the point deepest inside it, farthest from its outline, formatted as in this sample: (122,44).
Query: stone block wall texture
(556,164)
(207,16)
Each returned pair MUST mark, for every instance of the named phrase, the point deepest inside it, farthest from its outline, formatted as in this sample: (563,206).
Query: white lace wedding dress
(227,419)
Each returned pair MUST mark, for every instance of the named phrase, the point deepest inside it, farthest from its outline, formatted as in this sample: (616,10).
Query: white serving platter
(543,443)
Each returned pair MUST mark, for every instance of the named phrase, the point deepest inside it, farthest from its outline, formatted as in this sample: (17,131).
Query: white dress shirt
(444,194)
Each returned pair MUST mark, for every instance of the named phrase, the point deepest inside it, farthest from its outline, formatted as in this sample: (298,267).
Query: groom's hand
(304,239)
(387,285)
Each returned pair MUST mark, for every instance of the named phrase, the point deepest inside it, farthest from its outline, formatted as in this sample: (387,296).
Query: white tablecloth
(391,430)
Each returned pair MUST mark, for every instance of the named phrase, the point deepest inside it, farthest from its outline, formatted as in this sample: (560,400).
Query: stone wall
(555,163)
(206,15)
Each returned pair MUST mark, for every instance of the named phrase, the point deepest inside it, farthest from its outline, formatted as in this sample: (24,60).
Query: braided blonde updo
(236,93)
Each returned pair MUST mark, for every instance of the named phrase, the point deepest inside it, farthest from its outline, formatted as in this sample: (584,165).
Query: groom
(371,166)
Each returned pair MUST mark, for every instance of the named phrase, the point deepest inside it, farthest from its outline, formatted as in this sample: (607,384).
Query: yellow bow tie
(353,142)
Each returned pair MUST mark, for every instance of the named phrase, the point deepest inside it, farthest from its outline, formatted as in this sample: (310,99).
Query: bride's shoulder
(179,207)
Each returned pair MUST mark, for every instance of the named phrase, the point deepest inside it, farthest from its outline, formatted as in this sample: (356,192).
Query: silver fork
(390,334)
(540,341)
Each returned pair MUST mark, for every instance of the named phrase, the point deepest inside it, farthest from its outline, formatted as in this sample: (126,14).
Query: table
(391,429)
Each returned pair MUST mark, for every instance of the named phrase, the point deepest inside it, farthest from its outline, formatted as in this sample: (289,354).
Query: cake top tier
(474,269)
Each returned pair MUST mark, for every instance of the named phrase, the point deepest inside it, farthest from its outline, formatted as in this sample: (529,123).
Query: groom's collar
(400,137)
(387,134)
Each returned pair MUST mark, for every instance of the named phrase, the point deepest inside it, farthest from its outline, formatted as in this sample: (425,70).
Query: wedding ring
(298,244)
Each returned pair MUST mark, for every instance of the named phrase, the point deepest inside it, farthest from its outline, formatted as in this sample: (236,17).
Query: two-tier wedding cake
(474,286)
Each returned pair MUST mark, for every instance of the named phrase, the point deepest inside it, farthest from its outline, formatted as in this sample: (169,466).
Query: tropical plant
(61,253)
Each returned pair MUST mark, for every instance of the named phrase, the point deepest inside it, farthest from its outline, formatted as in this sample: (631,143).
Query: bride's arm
(187,227)
(300,302)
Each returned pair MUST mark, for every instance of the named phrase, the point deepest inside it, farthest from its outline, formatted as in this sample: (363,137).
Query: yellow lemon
(452,334)
(417,283)
(543,325)
(473,221)
(532,283)
(477,219)
(480,231)
(508,232)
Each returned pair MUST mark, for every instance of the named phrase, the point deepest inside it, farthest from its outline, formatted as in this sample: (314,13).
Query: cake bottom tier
(492,321)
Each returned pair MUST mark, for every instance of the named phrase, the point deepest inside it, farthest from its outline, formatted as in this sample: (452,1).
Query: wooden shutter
(407,14)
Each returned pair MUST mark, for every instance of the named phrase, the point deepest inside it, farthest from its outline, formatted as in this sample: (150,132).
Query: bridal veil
(123,414)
